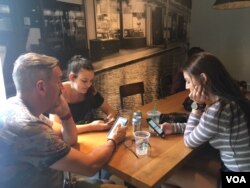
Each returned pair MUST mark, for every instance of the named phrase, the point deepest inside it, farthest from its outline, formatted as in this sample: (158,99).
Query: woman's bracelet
(66,117)
(114,143)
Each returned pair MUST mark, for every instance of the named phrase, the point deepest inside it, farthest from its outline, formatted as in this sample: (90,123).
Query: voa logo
(236,179)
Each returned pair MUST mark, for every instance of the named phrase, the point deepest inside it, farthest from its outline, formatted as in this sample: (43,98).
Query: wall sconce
(231,4)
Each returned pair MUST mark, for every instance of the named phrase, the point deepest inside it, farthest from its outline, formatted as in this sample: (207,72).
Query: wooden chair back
(131,89)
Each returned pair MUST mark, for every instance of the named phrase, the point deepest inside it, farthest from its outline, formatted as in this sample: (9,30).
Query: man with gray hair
(32,153)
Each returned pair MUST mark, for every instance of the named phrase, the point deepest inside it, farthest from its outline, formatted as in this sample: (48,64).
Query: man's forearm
(69,131)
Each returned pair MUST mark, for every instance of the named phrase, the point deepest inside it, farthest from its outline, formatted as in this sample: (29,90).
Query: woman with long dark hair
(220,113)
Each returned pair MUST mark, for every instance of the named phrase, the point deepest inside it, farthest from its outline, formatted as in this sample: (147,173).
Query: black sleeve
(98,100)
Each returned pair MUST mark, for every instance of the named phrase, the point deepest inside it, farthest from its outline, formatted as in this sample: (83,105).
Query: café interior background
(225,33)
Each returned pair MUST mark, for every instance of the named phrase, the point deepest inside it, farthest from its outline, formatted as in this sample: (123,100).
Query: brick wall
(149,70)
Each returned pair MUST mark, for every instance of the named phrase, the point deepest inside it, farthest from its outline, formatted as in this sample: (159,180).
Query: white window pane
(2,88)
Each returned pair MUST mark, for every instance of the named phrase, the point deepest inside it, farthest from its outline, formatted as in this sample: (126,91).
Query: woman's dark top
(83,112)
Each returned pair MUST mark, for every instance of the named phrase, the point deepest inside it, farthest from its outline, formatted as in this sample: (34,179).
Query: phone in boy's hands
(155,127)
(119,121)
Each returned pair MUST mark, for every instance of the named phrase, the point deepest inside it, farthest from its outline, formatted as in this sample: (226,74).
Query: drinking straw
(154,108)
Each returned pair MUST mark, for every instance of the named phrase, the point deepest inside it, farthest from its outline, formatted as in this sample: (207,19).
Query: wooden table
(164,157)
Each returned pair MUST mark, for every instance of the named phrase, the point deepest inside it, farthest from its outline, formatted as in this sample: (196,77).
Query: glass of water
(141,142)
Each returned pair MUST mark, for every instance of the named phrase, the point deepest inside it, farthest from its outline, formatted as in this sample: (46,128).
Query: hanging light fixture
(231,4)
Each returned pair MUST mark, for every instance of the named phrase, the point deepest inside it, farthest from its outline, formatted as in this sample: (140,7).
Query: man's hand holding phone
(119,134)
(118,125)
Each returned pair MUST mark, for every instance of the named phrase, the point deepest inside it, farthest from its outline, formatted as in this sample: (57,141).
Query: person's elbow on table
(188,143)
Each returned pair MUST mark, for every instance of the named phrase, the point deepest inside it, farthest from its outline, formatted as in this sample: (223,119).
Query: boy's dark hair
(194,50)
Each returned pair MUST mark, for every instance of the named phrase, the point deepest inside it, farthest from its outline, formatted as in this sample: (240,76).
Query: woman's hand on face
(198,94)
(167,128)
(101,125)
